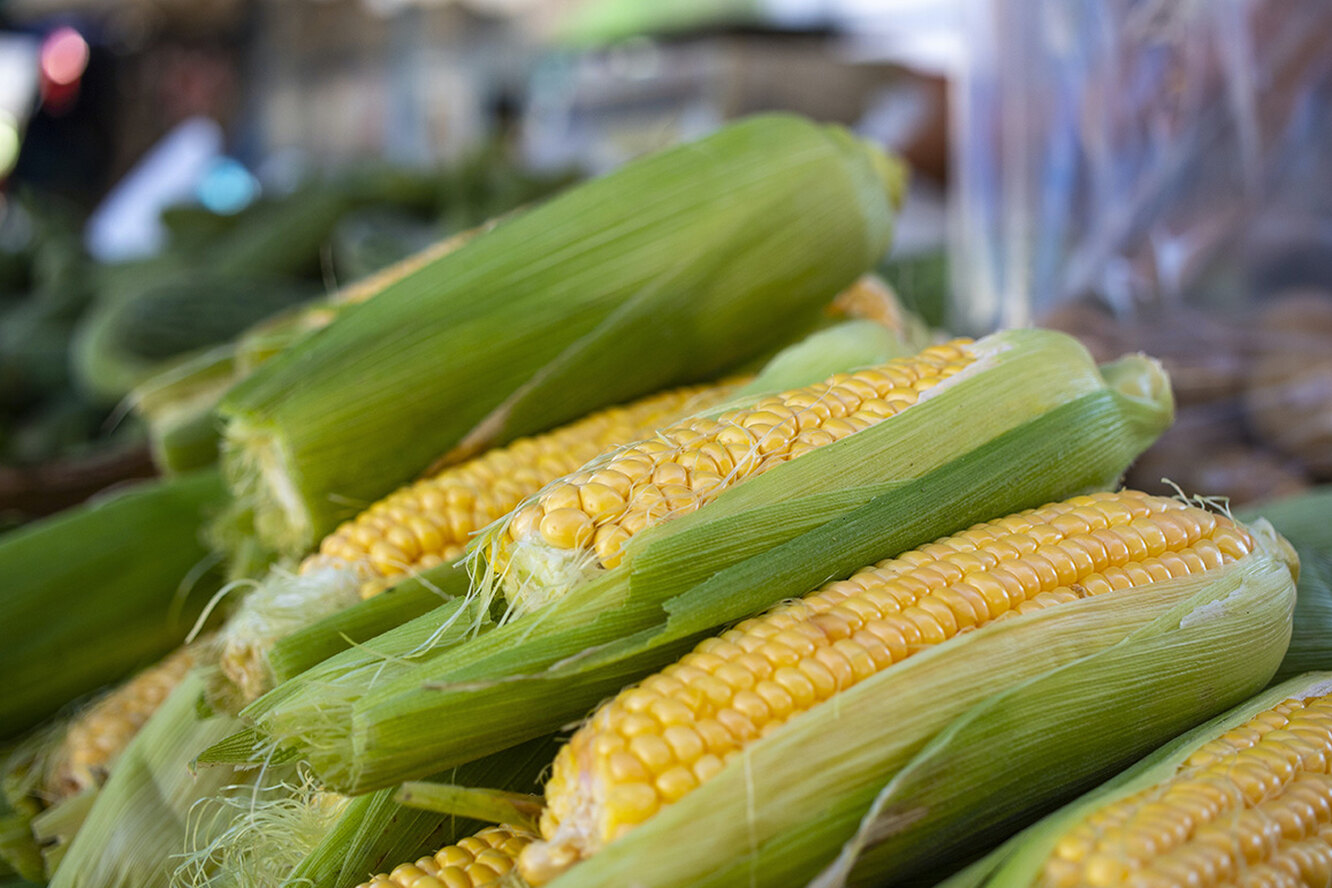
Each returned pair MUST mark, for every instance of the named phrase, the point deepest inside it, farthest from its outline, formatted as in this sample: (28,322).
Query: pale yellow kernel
(631,802)
(674,783)
(567,528)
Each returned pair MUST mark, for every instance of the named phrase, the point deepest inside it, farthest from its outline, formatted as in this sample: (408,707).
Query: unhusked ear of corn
(102,589)
(1306,520)
(178,404)
(1044,422)
(924,706)
(1245,799)
(642,279)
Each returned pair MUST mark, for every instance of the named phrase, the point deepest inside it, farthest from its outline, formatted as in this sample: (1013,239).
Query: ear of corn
(645,280)
(921,758)
(139,822)
(1306,520)
(1244,799)
(422,527)
(127,575)
(426,524)
(1045,423)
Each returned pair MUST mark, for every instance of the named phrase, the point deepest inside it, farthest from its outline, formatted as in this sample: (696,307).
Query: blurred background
(1145,174)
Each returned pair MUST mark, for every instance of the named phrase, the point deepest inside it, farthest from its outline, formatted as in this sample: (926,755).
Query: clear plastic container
(1157,175)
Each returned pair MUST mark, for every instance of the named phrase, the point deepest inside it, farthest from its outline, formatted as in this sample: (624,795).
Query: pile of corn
(709,566)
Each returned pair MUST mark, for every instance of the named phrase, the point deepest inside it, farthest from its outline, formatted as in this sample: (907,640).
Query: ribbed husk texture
(1306,520)
(101,590)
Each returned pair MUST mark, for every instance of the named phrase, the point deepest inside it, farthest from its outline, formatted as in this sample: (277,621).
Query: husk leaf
(102,589)
(1306,520)
(152,801)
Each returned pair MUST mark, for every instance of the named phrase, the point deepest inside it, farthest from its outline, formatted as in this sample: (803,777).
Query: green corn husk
(1067,695)
(627,284)
(101,590)
(288,603)
(1031,421)
(153,802)
(1018,862)
(1306,520)
(319,840)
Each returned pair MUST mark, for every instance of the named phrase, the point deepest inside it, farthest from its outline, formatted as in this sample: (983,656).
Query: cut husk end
(1059,688)
(260,473)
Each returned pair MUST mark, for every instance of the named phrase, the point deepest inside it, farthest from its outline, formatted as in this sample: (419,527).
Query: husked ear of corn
(1245,799)
(641,280)
(889,473)
(1306,520)
(860,717)
(419,529)
(101,590)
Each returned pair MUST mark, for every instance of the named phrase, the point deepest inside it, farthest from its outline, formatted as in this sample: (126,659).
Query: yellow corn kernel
(758,675)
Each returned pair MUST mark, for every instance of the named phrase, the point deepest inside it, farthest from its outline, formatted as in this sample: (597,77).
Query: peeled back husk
(1033,420)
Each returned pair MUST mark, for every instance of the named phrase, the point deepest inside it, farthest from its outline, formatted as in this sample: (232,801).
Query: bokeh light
(9,142)
(64,56)
(228,187)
